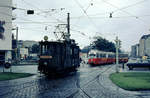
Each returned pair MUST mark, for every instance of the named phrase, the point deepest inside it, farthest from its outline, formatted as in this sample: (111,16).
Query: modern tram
(96,57)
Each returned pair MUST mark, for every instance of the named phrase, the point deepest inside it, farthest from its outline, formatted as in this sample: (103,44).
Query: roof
(145,36)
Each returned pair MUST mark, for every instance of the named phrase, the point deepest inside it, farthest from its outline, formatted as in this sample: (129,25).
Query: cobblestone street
(87,82)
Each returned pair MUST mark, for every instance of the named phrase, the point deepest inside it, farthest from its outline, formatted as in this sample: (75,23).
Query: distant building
(20,44)
(23,53)
(29,43)
(135,51)
(25,48)
(26,44)
(144,45)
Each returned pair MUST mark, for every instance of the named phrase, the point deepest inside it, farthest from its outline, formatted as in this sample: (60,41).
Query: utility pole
(117,48)
(68,23)
(17,51)
(68,27)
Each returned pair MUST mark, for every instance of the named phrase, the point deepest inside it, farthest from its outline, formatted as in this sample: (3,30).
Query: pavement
(21,69)
(87,82)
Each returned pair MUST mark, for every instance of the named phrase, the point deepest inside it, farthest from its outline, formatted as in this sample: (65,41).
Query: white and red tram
(96,57)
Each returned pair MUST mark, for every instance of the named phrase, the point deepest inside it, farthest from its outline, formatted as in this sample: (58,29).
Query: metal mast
(67,36)
(63,30)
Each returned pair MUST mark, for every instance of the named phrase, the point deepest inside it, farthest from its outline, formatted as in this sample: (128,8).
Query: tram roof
(98,51)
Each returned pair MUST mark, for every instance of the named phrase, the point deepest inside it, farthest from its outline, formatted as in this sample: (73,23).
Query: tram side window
(103,55)
(97,55)
(110,56)
(100,55)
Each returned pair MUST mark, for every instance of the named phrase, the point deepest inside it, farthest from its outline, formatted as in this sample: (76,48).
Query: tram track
(80,90)
(32,84)
(41,86)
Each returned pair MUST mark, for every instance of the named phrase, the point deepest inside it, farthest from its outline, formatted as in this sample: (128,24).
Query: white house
(5,29)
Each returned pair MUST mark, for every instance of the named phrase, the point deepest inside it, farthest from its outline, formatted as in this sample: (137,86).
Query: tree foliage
(86,49)
(103,44)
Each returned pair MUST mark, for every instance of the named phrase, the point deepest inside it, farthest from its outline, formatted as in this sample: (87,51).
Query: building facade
(29,43)
(144,45)
(5,29)
(135,51)
(23,53)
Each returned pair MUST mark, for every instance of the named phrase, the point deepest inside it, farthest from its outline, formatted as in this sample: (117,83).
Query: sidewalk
(22,69)
(111,87)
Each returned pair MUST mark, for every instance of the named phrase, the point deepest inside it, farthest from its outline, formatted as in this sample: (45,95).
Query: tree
(103,44)
(86,49)
(35,48)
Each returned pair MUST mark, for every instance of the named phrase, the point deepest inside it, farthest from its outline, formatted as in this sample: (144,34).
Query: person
(122,65)
(80,60)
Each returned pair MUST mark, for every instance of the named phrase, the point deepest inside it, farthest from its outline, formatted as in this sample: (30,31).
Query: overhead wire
(71,24)
(32,29)
(85,13)
(28,20)
(85,10)
(116,10)
(132,5)
(33,22)
(125,7)
(59,21)
(98,17)
(42,10)
(124,11)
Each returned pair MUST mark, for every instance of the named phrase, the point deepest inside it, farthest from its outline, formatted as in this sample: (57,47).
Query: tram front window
(45,50)
(92,55)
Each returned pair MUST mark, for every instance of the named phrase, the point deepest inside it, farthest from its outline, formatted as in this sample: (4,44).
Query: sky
(88,18)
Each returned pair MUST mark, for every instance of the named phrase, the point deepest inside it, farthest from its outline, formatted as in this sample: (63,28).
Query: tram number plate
(46,57)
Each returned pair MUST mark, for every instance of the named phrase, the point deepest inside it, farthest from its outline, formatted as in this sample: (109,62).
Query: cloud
(129,23)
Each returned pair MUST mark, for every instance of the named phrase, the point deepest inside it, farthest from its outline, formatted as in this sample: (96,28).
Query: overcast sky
(130,19)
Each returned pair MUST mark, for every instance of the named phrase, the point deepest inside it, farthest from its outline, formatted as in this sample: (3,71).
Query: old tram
(61,56)
(58,57)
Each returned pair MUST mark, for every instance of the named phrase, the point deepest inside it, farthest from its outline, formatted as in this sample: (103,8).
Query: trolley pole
(68,27)
(117,47)
(68,23)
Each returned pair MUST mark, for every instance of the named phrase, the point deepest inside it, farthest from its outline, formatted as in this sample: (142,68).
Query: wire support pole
(117,48)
